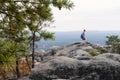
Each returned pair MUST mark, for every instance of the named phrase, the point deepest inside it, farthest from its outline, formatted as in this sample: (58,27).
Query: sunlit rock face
(73,62)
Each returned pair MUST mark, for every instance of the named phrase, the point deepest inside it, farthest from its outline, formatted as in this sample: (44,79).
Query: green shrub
(102,50)
(92,52)
(113,42)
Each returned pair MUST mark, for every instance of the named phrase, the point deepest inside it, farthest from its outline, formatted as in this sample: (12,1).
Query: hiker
(83,35)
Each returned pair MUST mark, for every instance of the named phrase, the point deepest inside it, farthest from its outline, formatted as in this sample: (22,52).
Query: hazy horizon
(82,30)
(66,38)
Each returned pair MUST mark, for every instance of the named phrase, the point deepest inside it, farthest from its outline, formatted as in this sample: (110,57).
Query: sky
(97,15)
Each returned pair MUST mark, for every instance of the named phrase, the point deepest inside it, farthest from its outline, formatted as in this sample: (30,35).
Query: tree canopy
(114,42)
(20,20)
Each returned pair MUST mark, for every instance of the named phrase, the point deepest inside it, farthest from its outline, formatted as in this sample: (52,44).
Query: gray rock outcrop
(73,62)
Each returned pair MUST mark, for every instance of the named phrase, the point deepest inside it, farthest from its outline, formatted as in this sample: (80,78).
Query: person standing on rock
(83,35)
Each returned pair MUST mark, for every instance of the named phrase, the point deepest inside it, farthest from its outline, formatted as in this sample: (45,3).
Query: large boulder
(112,56)
(75,49)
(61,67)
(74,62)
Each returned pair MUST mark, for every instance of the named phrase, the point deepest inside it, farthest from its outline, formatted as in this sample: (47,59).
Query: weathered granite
(69,63)
(39,55)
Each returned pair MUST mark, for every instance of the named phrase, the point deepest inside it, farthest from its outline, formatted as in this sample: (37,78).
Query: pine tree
(113,42)
(18,17)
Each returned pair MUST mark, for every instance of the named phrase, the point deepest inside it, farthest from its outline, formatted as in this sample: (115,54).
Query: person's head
(84,30)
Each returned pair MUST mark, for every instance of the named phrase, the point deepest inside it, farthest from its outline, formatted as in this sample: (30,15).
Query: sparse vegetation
(102,50)
(113,43)
(93,52)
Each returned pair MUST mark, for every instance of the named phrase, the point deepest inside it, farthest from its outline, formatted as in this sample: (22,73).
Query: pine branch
(23,1)
(3,12)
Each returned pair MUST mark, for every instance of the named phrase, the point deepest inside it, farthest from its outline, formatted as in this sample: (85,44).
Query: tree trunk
(28,63)
(33,49)
(17,64)
(17,70)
